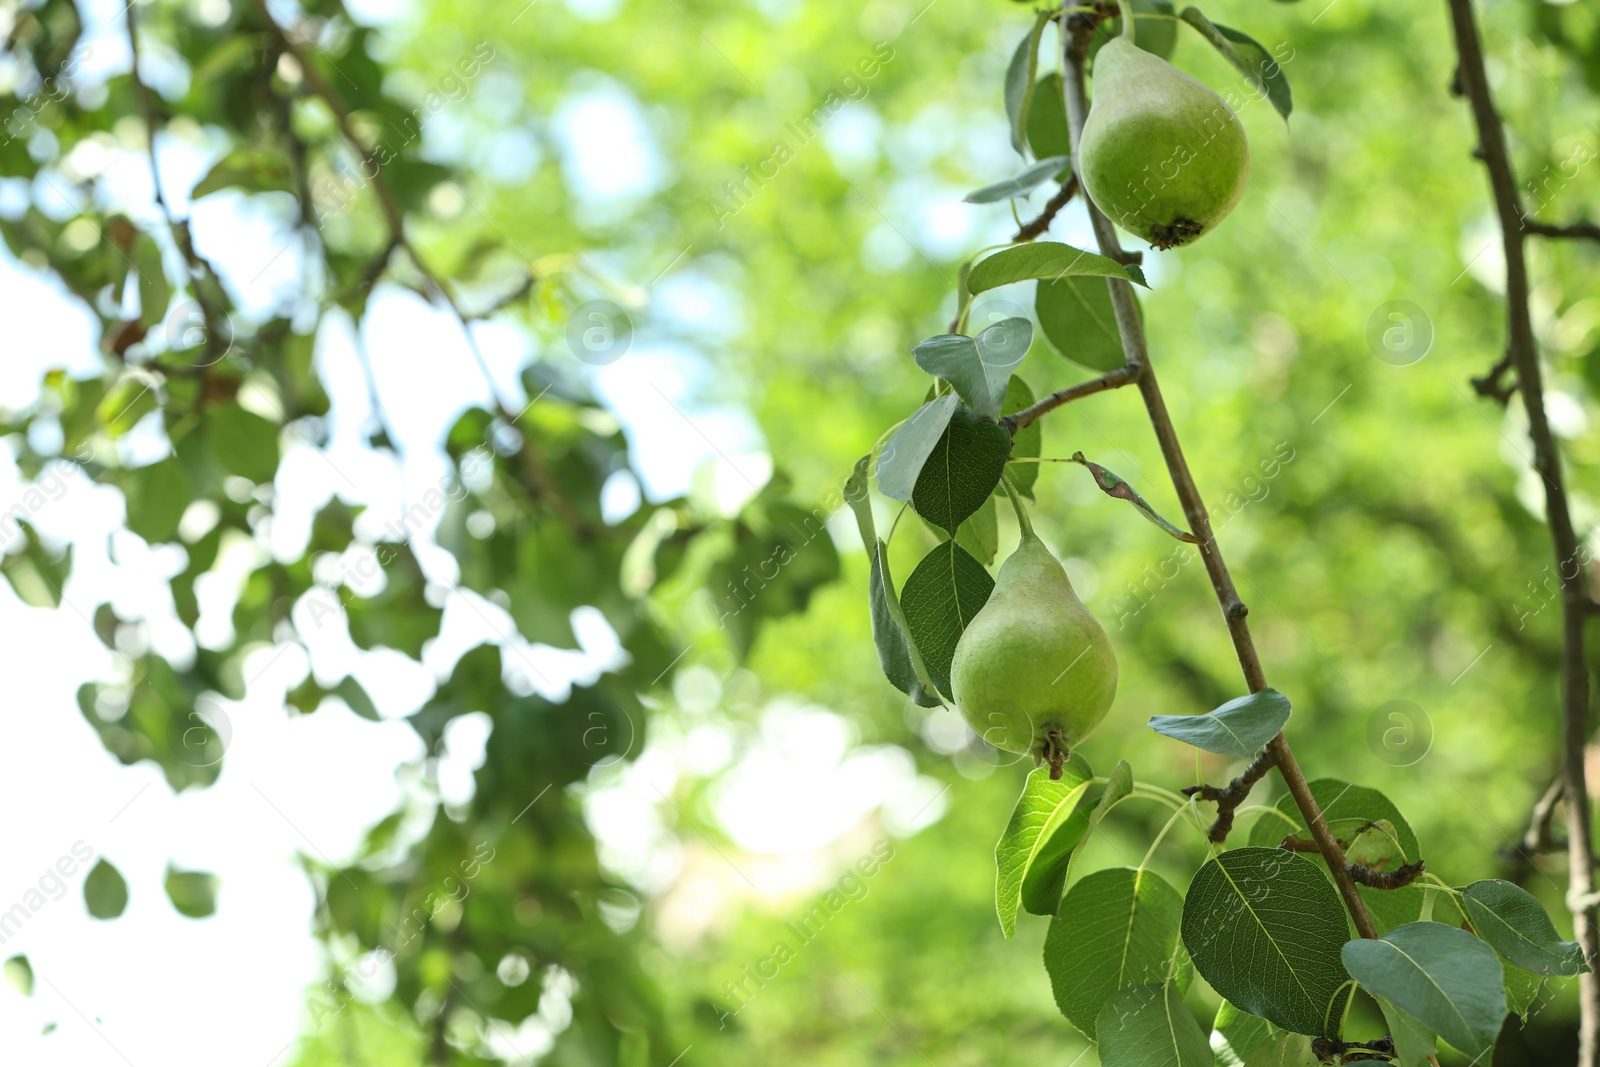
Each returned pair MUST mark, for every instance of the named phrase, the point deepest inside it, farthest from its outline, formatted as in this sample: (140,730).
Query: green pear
(1034,673)
(1162,155)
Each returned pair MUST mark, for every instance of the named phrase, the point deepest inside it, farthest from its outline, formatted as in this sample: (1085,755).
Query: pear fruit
(1162,155)
(1034,673)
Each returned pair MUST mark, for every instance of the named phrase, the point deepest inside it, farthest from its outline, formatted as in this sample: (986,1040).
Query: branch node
(1398,878)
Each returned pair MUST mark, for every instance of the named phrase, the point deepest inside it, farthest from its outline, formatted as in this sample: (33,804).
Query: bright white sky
(156,988)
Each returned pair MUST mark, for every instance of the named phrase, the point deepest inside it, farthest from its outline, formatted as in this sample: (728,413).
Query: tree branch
(1075,47)
(1116,379)
(1575,602)
(1052,207)
(1229,797)
(1576,230)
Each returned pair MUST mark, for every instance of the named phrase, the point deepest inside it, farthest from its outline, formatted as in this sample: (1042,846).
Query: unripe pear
(1162,155)
(1033,672)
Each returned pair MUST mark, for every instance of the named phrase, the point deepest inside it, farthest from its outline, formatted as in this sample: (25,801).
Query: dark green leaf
(1026,442)
(1047,120)
(1118,928)
(901,460)
(1238,728)
(963,469)
(1148,1026)
(899,660)
(193,893)
(1265,928)
(1020,184)
(243,442)
(1247,57)
(1076,317)
(1020,76)
(105,892)
(1045,259)
(1509,918)
(1447,979)
(1043,809)
(940,598)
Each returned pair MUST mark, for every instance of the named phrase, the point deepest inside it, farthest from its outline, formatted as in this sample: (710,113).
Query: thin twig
(1075,47)
(1575,601)
(1229,797)
(1116,379)
(1052,207)
(1578,230)
(1493,384)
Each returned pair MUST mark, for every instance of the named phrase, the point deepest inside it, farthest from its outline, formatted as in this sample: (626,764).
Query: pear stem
(1125,11)
(1075,45)
(1018,506)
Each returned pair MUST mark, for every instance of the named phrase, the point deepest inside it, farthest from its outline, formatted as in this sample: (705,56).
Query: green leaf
(398,616)
(902,459)
(1026,442)
(1113,485)
(1265,928)
(1238,728)
(1020,184)
(963,469)
(940,598)
(1522,987)
(130,398)
(1414,1043)
(1148,1026)
(1048,134)
(1284,1050)
(1076,317)
(105,892)
(1354,813)
(1156,36)
(980,534)
(1247,57)
(243,442)
(156,497)
(896,655)
(1020,78)
(19,974)
(1045,259)
(193,893)
(37,573)
(155,292)
(1118,928)
(978,367)
(252,170)
(1119,785)
(1047,874)
(1447,979)
(1509,918)
(1044,808)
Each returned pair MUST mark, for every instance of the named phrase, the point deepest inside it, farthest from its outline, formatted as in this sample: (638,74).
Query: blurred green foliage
(1377,516)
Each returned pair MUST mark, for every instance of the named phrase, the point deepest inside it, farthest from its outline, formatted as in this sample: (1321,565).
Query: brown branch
(1577,230)
(1229,797)
(1116,379)
(1052,207)
(1575,601)
(1398,878)
(1493,384)
(1131,330)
